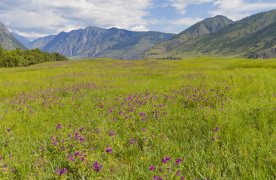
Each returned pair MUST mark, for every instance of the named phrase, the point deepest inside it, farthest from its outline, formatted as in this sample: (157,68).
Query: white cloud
(238,9)
(186,21)
(139,28)
(234,9)
(38,17)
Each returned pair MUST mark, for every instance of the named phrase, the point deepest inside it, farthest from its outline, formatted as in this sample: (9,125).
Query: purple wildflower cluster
(167,167)
(61,171)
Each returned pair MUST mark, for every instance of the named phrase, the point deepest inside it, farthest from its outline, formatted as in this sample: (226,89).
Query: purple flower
(157,178)
(178,161)
(132,141)
(178,173)
(77,153)
(71,157)
(166,159)
(182,178)
(160,170)
(142,114)
(14,170)
(61,171)
(9,130)
(97,167)
(216,129)
(58,126)
(144,129)
(82,139)
(151,168)
(54,141)
(1,157)
(112,133)
(108,150)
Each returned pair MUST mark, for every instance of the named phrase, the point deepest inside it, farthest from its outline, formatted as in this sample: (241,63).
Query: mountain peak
(253,36)
(202,28)
(7,40)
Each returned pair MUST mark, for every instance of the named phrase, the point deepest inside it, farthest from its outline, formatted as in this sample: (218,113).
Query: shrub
(18,57)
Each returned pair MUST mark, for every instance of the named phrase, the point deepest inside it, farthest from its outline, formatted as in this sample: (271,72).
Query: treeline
(18,57)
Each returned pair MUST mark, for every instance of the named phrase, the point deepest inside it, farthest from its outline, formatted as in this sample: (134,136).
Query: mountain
(23,40)
(98,42)
(205,27)
(251,37)
(7,40)
(40,42)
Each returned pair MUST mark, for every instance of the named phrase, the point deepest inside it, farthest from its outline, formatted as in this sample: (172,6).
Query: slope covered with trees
(18,57)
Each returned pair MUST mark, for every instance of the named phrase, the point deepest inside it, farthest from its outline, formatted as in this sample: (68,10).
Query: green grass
(217,115)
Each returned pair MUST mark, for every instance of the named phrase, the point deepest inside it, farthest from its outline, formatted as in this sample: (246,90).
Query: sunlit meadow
(200,118)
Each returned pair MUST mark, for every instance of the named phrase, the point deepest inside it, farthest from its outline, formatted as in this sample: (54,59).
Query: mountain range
(251,37)
(99,42)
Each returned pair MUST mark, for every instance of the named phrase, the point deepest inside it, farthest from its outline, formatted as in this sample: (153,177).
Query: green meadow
(197,118)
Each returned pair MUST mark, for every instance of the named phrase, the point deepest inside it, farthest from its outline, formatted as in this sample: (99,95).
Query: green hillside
(249,37)
(205,27)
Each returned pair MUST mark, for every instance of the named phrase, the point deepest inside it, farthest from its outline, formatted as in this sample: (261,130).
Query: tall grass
(199,118)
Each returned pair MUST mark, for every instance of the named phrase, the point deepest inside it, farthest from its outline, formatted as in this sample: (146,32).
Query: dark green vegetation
(253,37)
(199,118)
(99,42)
(7,40)
(18,57)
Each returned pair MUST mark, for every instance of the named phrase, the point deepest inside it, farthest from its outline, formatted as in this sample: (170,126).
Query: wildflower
(112,133)
(14,170)
(109,150)
(144,129)
(58,126)
(161,170)
(132,141)
(82,139)
(77,153)
(54,141)
(142,114)
(178,161)
(157,178)
(9,130)
(178,173)
(166,159)
(182,178)
(216,129)
(61,172)
(97,166)
(71,157)
(1,157)
(151,168)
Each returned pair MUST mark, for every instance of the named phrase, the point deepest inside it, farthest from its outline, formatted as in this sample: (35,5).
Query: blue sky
(36,18)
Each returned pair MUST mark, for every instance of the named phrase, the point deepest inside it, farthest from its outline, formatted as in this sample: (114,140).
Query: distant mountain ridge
(251,37)
(23,40)
(7,40)
(204,27)
(40,42)
(99,42)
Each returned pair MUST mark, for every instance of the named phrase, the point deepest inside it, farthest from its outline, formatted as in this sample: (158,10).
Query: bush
(18,57)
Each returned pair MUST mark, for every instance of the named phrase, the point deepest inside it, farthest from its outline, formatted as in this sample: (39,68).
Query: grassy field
(201,118)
